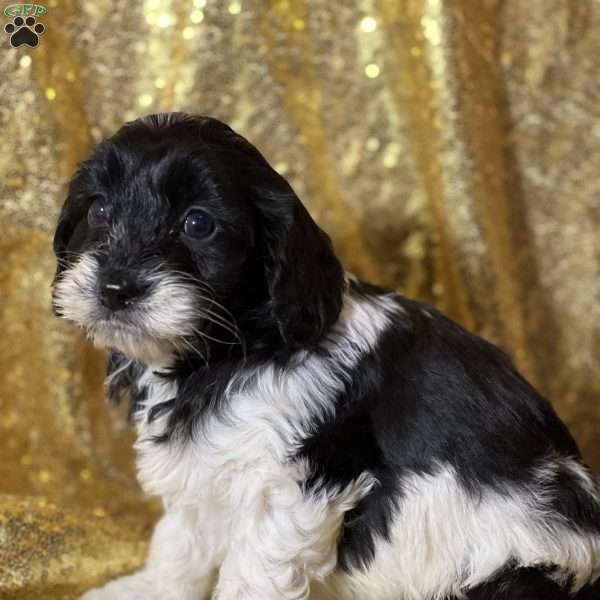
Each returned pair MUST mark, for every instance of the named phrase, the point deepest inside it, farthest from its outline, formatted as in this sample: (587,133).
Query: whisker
(162,267)
(219,320)
(191,277)
(214,339)
(187,344)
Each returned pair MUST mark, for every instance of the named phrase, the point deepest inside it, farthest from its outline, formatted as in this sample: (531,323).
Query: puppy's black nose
(118,290)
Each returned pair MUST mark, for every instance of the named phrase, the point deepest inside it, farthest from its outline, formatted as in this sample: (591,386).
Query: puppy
(308,433)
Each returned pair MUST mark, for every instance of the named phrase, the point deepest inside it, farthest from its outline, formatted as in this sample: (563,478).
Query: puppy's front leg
(284,538)
(179,567)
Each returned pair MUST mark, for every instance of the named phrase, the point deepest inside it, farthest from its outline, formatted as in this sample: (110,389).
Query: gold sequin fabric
(451,148)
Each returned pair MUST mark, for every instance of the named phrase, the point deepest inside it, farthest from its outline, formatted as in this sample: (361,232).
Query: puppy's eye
(198,224)
(99,212)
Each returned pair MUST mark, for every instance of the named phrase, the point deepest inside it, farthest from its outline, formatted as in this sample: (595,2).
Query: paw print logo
(24,32)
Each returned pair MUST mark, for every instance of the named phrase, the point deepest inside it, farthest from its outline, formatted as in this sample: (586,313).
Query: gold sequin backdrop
(452,148)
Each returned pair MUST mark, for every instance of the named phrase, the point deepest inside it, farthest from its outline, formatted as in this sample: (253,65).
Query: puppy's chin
(132,343)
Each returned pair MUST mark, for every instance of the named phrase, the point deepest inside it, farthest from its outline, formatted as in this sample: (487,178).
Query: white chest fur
(227,457)
(266,416)
(236,485)
(233,490)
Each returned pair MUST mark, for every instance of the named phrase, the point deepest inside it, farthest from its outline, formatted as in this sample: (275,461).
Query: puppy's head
(177,237)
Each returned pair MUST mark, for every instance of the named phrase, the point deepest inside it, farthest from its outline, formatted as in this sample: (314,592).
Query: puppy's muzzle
(119,289)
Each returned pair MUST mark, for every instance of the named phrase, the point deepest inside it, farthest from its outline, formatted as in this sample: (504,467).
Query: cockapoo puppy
(309,434)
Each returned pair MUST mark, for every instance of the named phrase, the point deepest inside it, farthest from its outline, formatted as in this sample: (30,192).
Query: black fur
(428,393)
(515,583)
(432,393)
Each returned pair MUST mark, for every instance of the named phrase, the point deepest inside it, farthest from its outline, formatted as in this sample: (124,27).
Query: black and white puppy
(310,435)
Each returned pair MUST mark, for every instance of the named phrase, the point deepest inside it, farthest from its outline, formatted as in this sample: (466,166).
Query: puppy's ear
(304,277)
(68,229)
(64,229)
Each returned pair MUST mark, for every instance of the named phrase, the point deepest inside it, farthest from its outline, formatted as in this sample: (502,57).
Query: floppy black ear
(62,235)
(70,228)
(304,277)
(63,232)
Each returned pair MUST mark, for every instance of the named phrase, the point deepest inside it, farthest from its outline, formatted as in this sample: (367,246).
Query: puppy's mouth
(131,340)
(114,325)
(117,322)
